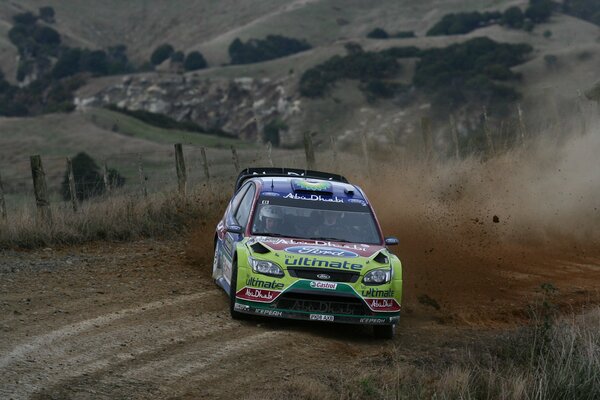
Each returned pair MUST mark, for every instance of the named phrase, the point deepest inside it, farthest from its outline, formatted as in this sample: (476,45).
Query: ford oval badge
(324,276)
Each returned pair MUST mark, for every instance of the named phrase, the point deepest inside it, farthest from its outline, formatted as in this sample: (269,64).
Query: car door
(238,215)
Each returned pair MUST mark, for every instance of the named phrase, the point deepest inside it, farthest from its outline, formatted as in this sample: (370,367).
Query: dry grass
(118,217)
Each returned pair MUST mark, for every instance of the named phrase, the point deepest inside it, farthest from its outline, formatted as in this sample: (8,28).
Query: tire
(234,314)
(386,332)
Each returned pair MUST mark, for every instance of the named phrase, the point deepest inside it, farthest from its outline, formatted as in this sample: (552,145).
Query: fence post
(427,138)
(309,150)
(106,178)
(72,191)
(180,167)
(522,129)
(365,151)
(2,201)
(488,134)
(270,153)
(40,189)
(236,160)
(142,177)
(454,131)
(205,164)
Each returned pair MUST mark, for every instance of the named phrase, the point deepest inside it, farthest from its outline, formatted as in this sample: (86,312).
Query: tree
(194,61)
(161,53)
(539,10)
(46,35)
(378,33)
(26,18)
(257,50)
(88,180)
(68,63)
(47,14)
(513,17)
(177,57)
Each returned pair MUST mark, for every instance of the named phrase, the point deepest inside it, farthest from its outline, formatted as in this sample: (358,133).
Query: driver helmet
(270,212)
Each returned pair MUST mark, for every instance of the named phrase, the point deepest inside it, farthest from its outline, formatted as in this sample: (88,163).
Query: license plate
(320,317)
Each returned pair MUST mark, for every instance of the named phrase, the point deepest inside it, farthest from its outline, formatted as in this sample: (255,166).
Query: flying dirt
(145,320)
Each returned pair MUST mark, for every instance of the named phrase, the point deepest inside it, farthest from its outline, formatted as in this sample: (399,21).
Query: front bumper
(249,307)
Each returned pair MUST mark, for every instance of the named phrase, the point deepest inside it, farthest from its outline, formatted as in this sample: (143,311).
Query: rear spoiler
(286,172)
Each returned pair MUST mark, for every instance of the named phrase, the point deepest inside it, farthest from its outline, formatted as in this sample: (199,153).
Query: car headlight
(265,267)
(378,276)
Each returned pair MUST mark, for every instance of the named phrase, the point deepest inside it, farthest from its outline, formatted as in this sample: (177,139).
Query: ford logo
(321,251)
(324,276)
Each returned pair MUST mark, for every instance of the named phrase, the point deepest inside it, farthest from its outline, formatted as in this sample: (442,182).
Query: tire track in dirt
(96,344)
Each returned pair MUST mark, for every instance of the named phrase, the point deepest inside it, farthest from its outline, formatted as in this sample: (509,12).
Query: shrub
(194,61)
(89,182)
(513,17)
(378,33)
(46,35)
(47,14)
(455,24)
(258,50)
(539,10)
(161,53)
(26,18)
(177,57)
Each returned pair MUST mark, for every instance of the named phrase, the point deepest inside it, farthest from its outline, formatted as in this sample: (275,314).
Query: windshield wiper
(273,234)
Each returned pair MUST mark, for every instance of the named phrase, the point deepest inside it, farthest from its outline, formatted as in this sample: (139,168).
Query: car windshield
(337,220)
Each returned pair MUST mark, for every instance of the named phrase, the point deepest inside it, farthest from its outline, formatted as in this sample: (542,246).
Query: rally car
(306,245)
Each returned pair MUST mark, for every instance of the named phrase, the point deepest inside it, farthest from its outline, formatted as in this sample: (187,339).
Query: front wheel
(384,331)
(232,290)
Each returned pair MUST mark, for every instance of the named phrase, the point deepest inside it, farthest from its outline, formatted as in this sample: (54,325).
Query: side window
(243,212)
(238,197)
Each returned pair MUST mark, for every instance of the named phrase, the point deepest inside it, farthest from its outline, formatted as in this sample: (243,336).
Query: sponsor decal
(241,307)
(320,317)
(372,321)
(357,201)
(324,276)
(322,307)
(383,305)
(283,241)
(259,283)
(270,194)
(303,184)
(323,285)
(321,251)
(270,313)
(313,197)
(259,295)
(315,262)
(374,292)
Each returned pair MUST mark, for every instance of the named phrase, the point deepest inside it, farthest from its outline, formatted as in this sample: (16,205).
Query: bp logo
(321,251)
(302,184)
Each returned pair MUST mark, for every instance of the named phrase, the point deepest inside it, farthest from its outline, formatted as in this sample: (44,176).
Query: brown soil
(144,320)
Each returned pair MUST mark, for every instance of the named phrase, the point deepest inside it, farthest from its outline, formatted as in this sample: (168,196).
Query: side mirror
(391,241)
(235,229)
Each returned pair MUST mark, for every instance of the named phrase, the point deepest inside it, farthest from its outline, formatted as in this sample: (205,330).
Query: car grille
(318,303)
(334,276)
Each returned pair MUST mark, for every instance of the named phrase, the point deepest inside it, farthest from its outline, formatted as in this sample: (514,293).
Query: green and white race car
(306,245)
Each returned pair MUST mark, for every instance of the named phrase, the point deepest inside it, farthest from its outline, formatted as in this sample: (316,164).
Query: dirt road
(144,320)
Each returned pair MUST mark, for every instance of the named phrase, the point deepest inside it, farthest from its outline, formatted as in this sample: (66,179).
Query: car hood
(317,248)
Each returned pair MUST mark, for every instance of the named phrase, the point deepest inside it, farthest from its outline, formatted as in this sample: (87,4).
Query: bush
(47,14)
(588,10)
(194,61)
(177,57)
(456,24)
(161,53)
(258,50)
(539,11)
(271,132)
(378,33)
(26,18)
(513,17)
(46,35)
(89,182)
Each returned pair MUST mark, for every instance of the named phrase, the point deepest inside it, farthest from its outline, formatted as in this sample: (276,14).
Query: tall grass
(115,217)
